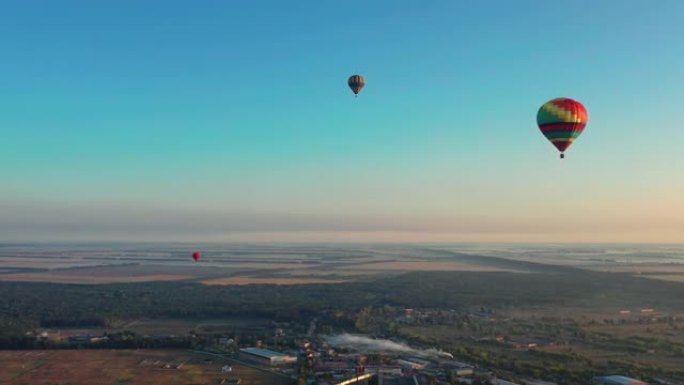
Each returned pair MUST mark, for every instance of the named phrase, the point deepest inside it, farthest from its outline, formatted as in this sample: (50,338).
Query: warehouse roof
(262,352)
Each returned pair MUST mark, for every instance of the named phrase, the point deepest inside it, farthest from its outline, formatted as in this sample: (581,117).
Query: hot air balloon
(196,256)
(356,83)
(561,121)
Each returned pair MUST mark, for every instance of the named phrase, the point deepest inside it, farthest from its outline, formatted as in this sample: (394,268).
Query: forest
(25,306)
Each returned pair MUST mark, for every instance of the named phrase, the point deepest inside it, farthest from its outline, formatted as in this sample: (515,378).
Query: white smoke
(366,344)
(436,352)
(372,345)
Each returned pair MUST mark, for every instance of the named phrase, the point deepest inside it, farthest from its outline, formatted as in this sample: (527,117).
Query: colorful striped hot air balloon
(356,83)
(561,121)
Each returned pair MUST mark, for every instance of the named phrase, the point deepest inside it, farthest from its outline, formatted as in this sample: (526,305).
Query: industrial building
(616,380)
(413,363)
(266,357)
(458,369)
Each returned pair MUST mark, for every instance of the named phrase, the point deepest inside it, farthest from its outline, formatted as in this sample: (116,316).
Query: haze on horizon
(220,121)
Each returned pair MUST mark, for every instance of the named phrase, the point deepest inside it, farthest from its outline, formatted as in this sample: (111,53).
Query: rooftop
(262,352)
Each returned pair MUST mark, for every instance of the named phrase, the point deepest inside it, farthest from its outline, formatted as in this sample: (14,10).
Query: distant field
(294,265)
(667,277)
(124,367)
(667,271)
(427,266)
(45,263)
(73,278)
(640,268)
(230,266)
(243,280)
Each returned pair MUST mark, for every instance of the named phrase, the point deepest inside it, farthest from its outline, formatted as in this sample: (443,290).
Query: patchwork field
(126,367)
(237,265)
(295,265)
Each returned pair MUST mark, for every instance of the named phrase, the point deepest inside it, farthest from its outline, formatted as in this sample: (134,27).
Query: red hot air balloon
(196,256)
(561,121)
(356,83)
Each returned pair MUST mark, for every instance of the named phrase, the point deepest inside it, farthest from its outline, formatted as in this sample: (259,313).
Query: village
(376,352)
(325,366)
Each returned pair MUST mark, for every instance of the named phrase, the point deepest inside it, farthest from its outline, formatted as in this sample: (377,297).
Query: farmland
(222,265)
(558,320)
(125,367)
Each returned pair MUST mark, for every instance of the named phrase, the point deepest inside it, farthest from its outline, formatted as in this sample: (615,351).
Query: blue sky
(126,118)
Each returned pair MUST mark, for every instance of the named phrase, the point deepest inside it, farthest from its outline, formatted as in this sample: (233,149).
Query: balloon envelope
(562,120)
(196,256)
(356,83)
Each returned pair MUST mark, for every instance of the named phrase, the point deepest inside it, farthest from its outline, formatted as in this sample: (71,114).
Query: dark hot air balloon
(196,256)
(561,121)
(356,83)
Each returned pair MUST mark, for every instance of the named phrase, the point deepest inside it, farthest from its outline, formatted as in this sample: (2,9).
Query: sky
(141,120)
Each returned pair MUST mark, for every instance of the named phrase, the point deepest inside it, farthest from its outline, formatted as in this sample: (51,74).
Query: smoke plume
(372,345)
